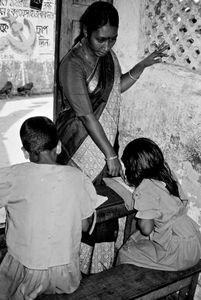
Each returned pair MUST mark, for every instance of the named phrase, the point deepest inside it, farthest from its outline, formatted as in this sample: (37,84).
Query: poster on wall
(26,33)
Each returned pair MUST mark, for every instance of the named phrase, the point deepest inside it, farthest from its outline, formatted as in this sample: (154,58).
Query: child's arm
(89,223)
(146,226)
(86,224)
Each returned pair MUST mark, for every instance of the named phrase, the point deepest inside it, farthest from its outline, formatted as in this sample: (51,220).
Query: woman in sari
(91,85)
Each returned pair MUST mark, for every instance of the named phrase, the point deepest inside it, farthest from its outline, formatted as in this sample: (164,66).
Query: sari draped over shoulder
(78,147)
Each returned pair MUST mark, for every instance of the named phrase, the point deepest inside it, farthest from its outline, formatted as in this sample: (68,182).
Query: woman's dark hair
(97,15)
(142,159)
(38,134)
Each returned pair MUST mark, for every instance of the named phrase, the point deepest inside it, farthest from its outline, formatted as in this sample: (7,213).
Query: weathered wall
(164,104)
(27,44)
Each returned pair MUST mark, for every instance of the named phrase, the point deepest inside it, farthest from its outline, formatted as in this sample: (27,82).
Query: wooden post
(56,100)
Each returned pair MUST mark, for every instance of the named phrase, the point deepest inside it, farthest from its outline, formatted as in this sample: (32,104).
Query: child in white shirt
(48,206)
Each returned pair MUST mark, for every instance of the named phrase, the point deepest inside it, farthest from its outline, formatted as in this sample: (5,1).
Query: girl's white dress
(175,242)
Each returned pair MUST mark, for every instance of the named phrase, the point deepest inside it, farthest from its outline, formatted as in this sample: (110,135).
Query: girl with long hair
(166,237)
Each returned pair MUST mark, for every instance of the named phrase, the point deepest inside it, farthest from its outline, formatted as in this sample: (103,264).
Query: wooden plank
(193,286)
(164,291)
(130,282)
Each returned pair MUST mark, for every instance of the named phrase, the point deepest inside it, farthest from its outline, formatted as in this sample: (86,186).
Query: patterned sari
(78,147)
(80,150)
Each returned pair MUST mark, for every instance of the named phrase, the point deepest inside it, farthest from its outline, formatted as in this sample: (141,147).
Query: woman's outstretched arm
(129,78)
(98,135)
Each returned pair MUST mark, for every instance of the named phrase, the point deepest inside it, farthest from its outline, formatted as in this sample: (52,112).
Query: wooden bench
(127,281)
(132,282)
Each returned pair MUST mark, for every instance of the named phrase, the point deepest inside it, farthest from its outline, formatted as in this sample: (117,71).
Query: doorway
(68,13)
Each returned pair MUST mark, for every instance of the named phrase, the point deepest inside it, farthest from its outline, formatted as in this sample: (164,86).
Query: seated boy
(47,206)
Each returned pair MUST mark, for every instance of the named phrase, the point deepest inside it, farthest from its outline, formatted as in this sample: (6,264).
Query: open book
(122,189)
(100,200)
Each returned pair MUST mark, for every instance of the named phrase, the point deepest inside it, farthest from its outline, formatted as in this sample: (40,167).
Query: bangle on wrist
(111,158)
(132,77)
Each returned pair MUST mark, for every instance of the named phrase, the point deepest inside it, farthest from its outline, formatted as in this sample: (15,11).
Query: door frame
(56,100)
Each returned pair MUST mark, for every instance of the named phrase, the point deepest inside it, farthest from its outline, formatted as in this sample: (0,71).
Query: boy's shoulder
(43,168)
(59,169)
(12,168)
(67,169)
(62,170)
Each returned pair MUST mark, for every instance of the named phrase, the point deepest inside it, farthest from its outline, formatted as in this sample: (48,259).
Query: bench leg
(183,293)
(192,287)
(188,292)
(128,227)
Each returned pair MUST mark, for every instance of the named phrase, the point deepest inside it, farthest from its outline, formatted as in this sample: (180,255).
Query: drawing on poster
(18,41)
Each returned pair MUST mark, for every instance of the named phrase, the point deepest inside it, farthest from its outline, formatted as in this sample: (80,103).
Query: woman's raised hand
(156,56)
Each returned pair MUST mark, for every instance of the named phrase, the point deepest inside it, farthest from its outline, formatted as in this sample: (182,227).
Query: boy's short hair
(38,134)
